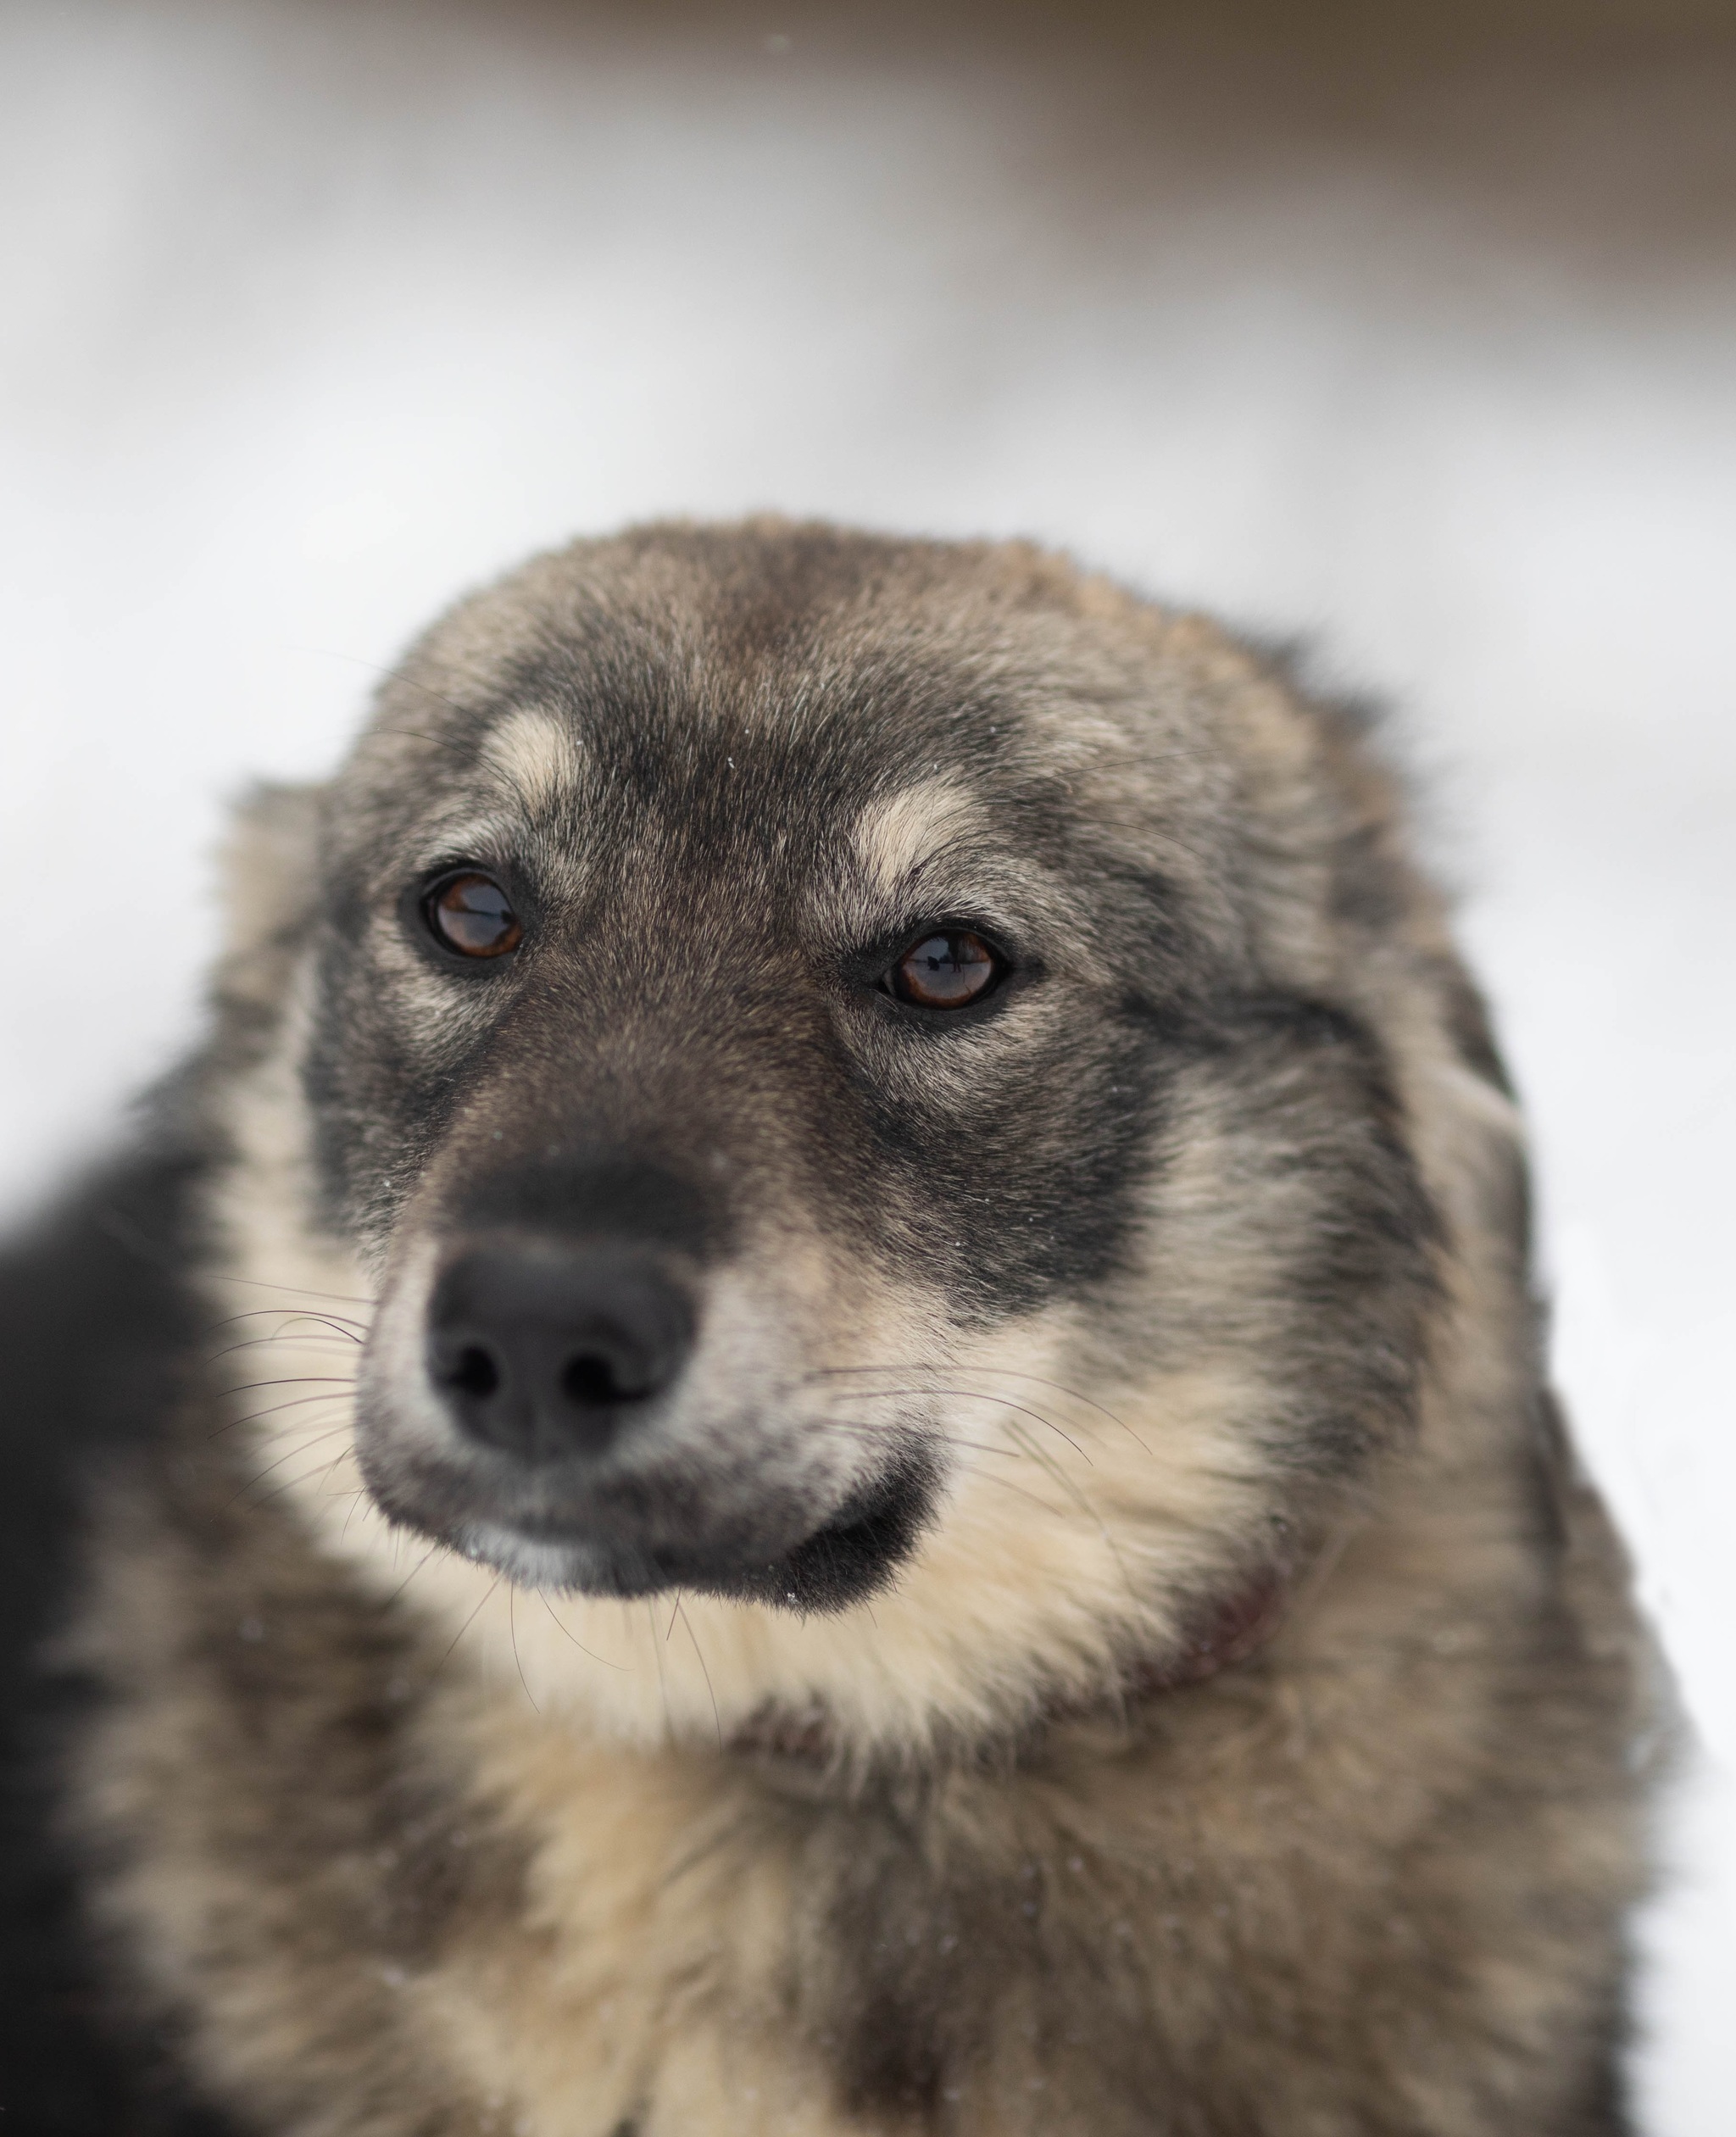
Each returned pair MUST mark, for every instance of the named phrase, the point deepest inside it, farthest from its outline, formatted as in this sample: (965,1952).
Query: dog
(823,1414)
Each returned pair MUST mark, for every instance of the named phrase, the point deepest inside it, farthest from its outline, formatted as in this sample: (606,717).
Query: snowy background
(312,314)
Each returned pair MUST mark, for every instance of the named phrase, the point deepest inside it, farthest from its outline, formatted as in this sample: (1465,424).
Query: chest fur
(381,1897)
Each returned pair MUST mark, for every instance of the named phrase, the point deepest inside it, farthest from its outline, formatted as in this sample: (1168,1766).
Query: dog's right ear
(269,879)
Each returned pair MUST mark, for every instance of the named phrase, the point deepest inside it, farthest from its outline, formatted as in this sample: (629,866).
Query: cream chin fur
(1065,1544)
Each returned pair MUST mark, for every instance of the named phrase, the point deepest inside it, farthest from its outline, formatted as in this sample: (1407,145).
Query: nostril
(594,1380)
(473,1371)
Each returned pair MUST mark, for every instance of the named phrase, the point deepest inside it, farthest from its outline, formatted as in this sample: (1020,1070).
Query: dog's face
(852,1066)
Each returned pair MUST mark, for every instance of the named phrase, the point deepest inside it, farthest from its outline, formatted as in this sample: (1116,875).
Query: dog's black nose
(547,1349)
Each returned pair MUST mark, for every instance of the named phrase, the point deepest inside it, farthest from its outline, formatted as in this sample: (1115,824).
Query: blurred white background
(1411,332)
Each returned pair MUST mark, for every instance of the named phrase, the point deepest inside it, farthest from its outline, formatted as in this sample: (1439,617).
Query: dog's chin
(853,1553)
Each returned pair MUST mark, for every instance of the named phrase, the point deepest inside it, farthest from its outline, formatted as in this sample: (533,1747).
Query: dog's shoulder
(96,1325)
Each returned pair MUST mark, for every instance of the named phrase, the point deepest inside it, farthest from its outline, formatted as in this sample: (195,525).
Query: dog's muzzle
(539,1407)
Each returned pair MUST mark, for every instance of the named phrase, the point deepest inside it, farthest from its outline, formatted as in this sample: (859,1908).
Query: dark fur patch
(94,1328)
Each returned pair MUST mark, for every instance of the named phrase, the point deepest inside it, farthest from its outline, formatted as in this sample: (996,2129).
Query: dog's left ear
(269,883)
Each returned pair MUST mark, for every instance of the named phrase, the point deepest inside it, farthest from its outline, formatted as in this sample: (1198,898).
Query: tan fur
(536,755)
(895,837)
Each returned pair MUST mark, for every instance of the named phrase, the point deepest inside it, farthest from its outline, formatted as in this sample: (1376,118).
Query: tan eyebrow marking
(895,834)
(537,756)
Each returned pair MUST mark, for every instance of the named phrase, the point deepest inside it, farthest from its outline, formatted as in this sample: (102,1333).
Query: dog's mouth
(850,1558)
(541,1407)
(640,1541)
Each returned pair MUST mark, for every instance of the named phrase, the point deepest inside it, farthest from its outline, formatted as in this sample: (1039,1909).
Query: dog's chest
(637,1970)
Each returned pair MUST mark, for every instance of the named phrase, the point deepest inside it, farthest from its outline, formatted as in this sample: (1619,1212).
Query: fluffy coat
(1107,1636)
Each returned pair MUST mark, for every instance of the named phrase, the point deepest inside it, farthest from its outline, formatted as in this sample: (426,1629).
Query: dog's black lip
(854,1554)
(847,1559)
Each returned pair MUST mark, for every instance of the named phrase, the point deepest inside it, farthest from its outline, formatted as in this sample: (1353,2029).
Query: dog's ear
(269,884)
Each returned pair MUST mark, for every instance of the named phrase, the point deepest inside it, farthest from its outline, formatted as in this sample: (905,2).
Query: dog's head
(875,1086)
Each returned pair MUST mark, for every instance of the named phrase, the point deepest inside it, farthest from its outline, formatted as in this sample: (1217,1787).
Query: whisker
(256,1343)
(410,1576)
(971,1446)
(1006,1484)
(291,1380)
(411,682)
(295,1290)
(287,1314)
(289,1484)
(576,1641)
(867,1429)
(974,1394)
(1043,1459)
(717,1719)
(331,1470)
(662,1680)
(1071,1485)
(466,1625)
(435,742)
(275,1410)
(512,1633)
(300,1448)
(1000,1372)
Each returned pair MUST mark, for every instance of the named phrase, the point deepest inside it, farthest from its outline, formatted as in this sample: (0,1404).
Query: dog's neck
(1228,1633)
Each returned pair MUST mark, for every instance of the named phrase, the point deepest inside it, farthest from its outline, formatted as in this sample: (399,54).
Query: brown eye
(944,972)
(470,913)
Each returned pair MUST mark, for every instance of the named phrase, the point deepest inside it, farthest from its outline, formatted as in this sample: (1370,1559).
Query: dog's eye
(945,971)
(471,914)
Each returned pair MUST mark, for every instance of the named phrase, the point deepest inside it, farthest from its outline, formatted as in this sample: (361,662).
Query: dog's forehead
(537,778)
(749,701)
(884,757)
(881,827)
